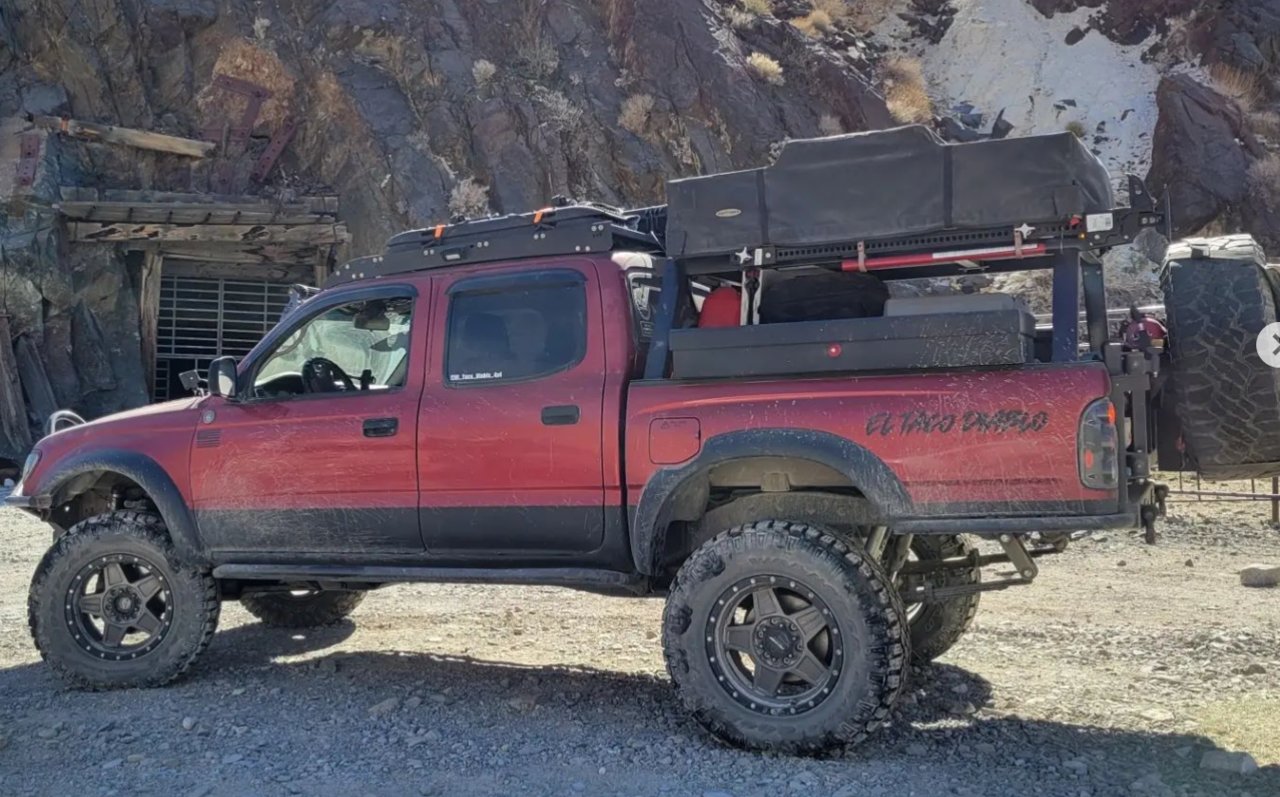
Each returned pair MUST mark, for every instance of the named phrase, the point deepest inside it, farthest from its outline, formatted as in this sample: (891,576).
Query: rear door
(510,454)
(319,454)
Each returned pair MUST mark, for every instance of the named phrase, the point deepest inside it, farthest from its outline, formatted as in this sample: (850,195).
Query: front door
(318,454)
(510,433)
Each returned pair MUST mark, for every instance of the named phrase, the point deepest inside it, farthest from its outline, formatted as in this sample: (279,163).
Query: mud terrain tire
(129,557)
(311,610)
(1218,297)
(936,627)
(773,583)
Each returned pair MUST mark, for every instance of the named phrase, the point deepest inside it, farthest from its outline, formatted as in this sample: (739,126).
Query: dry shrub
(862,14)
(1267,125)
(1076,128)
(1264,182)
(1241,86)
(483,71)
(758,7)
(469,199)
(904,91)
(815,24)
(635,113)
(765,68)
(738,18)
(829,125)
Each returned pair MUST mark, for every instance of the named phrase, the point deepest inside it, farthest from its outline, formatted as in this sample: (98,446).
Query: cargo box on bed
(885,184)
(984,337)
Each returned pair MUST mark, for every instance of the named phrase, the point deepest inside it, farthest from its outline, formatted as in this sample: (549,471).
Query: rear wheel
(302,608)
(936,627)
(110,606)
(782,636)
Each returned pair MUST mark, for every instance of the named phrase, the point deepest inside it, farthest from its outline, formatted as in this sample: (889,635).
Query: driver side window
(360,346)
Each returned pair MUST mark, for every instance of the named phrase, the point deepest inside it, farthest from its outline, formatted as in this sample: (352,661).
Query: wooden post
(1275,502)
(322,265)
(149,314)
(13,410)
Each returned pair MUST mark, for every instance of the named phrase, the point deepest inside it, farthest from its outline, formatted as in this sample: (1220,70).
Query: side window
(359,346)
(515,333)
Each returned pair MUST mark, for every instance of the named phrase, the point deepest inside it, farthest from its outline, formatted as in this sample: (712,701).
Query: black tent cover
(885,184)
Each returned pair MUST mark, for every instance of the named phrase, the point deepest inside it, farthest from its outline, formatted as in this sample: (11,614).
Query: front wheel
(781,636)
(302,609)
(110,606)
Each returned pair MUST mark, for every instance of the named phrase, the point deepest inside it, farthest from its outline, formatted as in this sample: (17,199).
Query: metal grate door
(202,318)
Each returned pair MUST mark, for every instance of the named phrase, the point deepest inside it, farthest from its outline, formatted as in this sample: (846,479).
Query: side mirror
(222,378)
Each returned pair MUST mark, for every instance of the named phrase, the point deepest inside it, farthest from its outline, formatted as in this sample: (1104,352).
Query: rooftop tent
(885,184)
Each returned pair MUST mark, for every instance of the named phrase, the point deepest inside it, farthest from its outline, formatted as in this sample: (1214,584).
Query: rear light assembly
(1098,446)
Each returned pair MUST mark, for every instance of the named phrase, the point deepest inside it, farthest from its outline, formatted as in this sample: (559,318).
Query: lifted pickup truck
(544,399)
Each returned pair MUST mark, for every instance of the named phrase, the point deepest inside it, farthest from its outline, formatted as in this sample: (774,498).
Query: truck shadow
(280,693)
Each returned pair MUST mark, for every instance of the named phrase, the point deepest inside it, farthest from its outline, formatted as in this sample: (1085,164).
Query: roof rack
(567,228)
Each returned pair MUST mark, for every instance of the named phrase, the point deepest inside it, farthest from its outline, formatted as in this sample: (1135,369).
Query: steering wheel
(322,375)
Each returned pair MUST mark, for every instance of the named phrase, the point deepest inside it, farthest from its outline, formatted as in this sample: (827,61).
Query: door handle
(561,415)
(381,427)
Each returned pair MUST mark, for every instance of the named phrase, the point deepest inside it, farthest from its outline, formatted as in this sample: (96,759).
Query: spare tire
(1219,294)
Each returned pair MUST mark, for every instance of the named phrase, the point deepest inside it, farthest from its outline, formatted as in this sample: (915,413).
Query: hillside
(412,113)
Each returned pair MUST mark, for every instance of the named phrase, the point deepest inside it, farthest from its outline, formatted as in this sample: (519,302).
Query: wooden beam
(149,314)
(190,213)
(13,410)
(226,253)
(312,234)
(127,136)
(322,265)
(323,204)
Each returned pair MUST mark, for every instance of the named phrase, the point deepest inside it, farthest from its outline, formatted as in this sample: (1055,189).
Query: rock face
(410,112)
(1203,151)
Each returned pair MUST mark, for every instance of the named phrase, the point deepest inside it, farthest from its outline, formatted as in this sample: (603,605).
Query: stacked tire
(1219,295)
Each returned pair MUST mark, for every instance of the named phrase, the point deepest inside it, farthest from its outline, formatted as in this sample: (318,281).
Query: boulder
(1260,576)
(1202,152)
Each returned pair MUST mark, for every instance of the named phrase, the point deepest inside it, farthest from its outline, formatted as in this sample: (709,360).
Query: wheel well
(760,488)
(94,493)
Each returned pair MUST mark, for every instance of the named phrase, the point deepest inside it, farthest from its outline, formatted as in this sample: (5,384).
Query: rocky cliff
(413,112)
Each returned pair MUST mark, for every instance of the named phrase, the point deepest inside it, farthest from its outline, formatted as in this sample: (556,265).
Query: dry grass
(1076,128)
(765,68)
(1264,182)
(758,7)
(469,199)
(635,113)
(904,91)
(1241,86)
(829,125)
(1267,125)
(816,24)
(483,72)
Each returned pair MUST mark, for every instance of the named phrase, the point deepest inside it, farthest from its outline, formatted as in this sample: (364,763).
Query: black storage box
(942,340)
(885,184)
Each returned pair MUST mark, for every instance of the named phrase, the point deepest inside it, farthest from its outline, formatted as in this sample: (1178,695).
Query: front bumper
(31,503)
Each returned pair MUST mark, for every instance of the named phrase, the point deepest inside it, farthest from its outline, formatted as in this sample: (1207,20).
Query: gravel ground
(1113,675)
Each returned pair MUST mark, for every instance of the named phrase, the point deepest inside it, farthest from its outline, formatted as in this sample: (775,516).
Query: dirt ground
(1113,675)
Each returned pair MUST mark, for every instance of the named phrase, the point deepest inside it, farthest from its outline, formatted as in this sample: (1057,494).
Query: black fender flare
(865,471)
(151,477)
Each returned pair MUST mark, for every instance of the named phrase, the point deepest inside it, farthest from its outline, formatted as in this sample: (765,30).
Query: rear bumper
(1017,525)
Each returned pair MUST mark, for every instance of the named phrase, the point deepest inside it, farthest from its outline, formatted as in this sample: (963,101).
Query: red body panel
(938,432)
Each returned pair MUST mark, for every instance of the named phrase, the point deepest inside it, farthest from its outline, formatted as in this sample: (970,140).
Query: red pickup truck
(535,399)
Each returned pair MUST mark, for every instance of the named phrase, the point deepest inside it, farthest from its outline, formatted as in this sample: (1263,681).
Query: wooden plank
(127,136)
(321,272)
(313,234)
(13,409)
(189,213)
(149,314)
(325,204)
(249,255)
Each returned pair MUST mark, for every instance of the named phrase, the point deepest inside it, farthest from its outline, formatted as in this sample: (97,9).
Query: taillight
(1098,447)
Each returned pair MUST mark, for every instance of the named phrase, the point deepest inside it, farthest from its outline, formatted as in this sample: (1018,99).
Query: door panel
(510,433)
(320,455)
